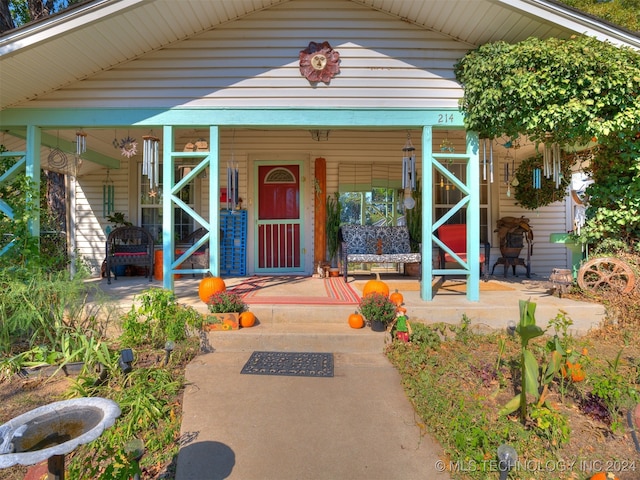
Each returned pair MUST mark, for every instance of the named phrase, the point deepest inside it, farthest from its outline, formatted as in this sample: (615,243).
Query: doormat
(292,364)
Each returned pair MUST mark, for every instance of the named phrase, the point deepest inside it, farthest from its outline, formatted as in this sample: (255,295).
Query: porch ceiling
(98,35)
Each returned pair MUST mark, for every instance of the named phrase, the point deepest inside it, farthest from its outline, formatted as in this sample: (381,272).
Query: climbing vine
(575,89)
(570,92)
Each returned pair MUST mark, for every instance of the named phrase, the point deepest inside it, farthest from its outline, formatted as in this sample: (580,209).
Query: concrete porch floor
(498,303)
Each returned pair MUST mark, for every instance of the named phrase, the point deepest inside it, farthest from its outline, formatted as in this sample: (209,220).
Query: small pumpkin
(397,298)
(247,319)
(356,320)
(375,286)
(604,476)
(210,286)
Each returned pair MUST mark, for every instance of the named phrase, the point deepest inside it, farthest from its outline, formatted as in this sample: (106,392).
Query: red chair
(454,236)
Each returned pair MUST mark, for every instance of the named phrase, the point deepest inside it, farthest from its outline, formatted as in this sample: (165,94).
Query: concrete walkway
(356,425)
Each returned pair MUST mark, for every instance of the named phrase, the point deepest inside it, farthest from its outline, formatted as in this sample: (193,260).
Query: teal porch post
(168,217)
(473,218)
(171,199)
(33,173)
(426,288)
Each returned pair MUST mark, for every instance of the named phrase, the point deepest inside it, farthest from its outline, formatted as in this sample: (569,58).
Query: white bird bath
(52,431)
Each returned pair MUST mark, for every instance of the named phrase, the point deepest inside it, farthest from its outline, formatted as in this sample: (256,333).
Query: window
(377,207)
(151,207)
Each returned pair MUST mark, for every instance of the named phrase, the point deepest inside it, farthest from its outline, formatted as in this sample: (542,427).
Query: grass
(458,381)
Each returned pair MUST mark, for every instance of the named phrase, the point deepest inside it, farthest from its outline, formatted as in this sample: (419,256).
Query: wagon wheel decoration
(606,274)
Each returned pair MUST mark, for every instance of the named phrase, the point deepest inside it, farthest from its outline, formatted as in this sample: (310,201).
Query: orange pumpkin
(356,320)
(375,286)
(247,319)
(604,476)
(210,286)
(397,298)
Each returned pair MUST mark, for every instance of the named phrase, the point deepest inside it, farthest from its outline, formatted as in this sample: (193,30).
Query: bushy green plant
(159,318)
(616,391)
(145,398)
(377,306)
(226,302)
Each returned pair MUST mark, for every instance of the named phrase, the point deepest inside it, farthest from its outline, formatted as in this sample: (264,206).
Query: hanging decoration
(487,161)
(108,196)
(57,159)
(551,160)
(81,142)
(507,177)
(408,172)
(150,159)
(232,178)
(232,187)
(128,147)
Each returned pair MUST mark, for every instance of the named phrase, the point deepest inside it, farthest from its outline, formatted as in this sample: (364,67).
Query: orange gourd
(375,286)
(397,298)
(210,286)
(356,320)
(247,319)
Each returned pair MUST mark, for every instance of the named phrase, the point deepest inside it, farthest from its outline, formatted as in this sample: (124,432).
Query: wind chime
(408,172)
(232,186)
(232,178)
(551,163)
(150,159)
(510,170)
(81,147)
(108,196)
(487,162)
(81,142)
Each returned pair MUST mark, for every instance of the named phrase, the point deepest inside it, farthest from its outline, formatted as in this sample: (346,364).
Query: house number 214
(445,118)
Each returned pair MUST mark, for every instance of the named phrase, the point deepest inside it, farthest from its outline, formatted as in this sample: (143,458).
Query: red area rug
(276,290)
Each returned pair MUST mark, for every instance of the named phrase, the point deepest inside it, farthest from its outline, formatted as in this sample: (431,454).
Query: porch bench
(375,244)
(129,245)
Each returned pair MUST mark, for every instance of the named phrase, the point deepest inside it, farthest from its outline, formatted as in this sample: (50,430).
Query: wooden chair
(129,245)
(454,236)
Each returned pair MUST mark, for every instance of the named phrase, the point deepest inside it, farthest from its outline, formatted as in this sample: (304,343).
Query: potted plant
(334,210)
(225,309)
(378,309)
(413,220)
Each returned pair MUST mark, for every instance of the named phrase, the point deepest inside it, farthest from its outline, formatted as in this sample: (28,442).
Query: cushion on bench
(365,239)
(375,244)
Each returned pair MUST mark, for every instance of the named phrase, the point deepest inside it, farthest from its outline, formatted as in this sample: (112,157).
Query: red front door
(279,219)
